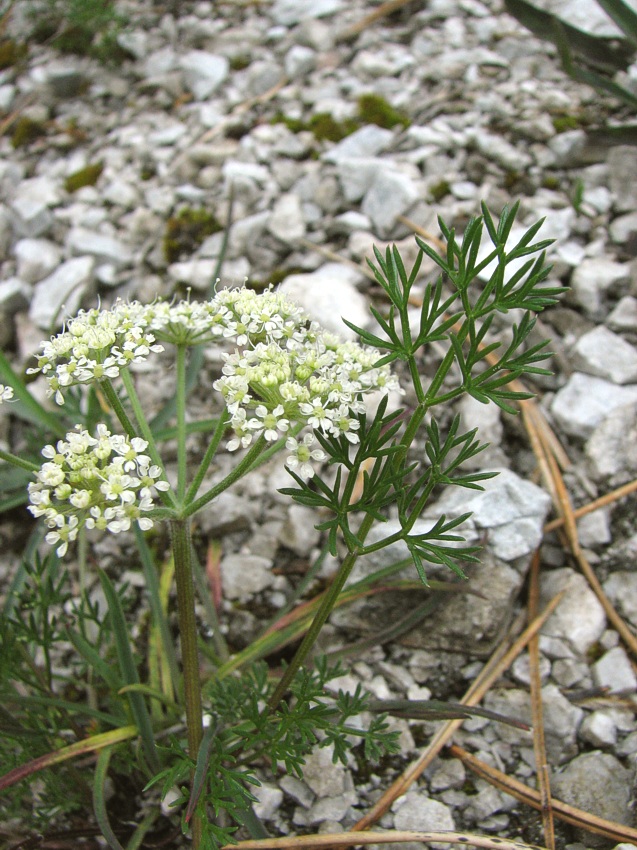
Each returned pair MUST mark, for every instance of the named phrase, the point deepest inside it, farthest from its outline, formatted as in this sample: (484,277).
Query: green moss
(11,53)
(25,131)
(82,27)
(322,125)
(87,176)
(550,181)
(186,231)
(295,125)
(239,62)
(511,179)
(563,123)
(325,127)
(374,109)
(439,190)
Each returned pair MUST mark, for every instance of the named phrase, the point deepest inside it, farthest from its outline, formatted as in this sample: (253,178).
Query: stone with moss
(186,231)
(25,131)
(87,176)
(374,109)
(11,53)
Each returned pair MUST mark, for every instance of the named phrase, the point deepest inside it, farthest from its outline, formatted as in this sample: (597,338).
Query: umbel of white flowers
(283,371)
(101,482)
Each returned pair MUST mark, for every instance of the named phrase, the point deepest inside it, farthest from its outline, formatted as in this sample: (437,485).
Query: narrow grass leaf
(80,748)
(128,670)
(99,799)
(161,631)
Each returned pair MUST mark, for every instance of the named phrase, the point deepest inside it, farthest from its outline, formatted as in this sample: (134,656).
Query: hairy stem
(182,552)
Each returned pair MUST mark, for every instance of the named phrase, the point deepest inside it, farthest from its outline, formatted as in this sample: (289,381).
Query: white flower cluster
(284,369)
(6,393)
(101,482)
(95,345)
(307,377)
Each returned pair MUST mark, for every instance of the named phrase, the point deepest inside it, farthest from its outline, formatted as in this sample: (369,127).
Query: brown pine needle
(378,14)
(539,746)
(340,839)
(438,244)
(499,662)
(616,832)
(602,502)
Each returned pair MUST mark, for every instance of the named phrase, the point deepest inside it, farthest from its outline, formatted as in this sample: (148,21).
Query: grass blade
(80,748)
(27,407)
(128,671)
(623,15)
(99,800)
(161,631)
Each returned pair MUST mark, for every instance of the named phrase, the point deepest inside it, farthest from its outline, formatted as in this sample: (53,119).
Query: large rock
(593,278)
(611,450)
(36,258)
(622,165)
(291,12)
(329,295)
(61,294)
(203,72)
(598,783)
(369,141)
(392,193)
(579,619)
(607,355)
(31,206)
(585,401)
(104,248)
(418,812)
(243,575)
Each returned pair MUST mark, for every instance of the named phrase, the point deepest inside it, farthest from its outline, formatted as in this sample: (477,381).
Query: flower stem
(181,422)
(238,472)
(18,461)
(222,423)
(118,408)
(320,618)
(167,497)
(182,553)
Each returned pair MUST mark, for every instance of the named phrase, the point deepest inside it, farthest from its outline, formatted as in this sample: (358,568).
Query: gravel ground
(216,108)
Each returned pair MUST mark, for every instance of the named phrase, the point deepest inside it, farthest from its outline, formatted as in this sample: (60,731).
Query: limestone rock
(607,355)
(60,294)
(584,402)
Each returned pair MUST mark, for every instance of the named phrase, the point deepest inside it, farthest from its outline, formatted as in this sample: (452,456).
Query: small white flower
(300,460)
(272,422)
(6,393)
(316,415)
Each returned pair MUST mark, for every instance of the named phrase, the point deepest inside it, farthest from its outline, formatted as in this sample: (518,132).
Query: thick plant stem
(320,618)
(182,552)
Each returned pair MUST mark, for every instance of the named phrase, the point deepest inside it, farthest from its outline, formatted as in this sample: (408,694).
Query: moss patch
(374,109)
(325,127)
(564,123)
(186,231)
(25,131)
(11,53)
(87,176)
(439,190)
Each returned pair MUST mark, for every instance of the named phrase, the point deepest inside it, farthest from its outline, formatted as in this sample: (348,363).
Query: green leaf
(606,54)
(624,16)
(99,799)
(27,407)
(128,670)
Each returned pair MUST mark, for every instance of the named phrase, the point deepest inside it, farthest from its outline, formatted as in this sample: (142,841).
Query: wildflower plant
(286,385)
